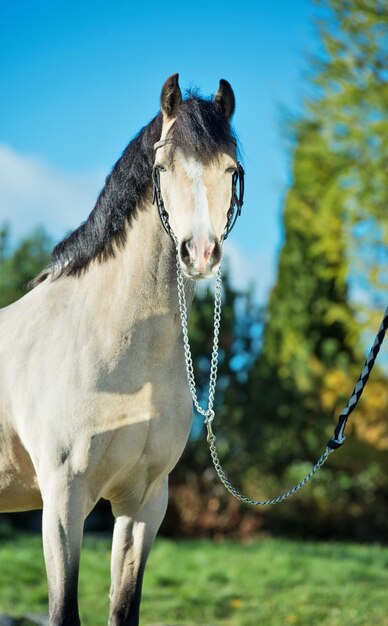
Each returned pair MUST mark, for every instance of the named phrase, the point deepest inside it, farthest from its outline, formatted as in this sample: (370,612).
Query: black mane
(200,130)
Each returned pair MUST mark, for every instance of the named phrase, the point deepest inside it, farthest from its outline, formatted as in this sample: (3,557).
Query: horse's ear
(224,100)
(171,97)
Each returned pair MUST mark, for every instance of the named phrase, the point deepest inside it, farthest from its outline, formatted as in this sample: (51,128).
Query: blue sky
(79,79)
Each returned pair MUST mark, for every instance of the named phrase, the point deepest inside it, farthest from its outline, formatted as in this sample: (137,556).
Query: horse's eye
(231,170)
(160,167)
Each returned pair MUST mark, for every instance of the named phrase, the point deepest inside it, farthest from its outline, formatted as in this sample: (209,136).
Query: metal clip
(208,421)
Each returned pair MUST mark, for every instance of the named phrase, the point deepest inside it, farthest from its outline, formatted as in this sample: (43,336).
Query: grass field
(265,583)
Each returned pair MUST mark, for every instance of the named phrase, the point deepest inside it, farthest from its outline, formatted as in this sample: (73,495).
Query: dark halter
(236,202)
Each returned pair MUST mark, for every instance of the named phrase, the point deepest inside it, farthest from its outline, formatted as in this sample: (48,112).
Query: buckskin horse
(94,397)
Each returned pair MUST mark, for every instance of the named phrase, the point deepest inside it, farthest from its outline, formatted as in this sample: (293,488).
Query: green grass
(266,583)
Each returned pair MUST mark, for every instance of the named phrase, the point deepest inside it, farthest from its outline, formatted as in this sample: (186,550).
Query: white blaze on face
(201,220)
(200,245)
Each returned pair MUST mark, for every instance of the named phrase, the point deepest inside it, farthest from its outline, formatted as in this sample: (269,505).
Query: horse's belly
(19,489)
(18,493)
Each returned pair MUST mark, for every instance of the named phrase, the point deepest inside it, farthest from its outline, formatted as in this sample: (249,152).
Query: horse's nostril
(216,254)
(185,251)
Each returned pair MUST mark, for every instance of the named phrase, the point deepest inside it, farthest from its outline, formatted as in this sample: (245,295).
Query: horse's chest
(141,440)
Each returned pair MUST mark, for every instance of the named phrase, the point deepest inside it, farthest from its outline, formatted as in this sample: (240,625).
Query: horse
(94,396)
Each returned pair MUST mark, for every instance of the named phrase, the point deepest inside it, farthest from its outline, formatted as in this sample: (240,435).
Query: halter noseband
(236,202)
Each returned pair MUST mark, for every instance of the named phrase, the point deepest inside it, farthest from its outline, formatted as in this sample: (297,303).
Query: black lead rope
(339,438)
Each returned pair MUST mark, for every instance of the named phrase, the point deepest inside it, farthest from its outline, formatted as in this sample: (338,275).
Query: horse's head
(195,175)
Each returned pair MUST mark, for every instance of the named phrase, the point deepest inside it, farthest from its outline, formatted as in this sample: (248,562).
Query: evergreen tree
(310,335)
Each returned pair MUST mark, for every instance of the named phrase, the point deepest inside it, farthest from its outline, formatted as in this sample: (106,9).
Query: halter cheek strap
(157,197)
(236,202)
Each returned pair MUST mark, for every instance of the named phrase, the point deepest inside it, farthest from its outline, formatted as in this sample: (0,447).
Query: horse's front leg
(64,511)
(133,537)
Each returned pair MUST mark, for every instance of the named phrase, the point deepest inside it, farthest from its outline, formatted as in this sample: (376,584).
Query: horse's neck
(136,287)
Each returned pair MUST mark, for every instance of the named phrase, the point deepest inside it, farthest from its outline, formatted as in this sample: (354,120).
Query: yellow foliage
(370,418)
(335,385)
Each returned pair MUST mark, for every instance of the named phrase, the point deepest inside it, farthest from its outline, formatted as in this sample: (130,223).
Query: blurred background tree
(331,289)
(331,285)
(20,264)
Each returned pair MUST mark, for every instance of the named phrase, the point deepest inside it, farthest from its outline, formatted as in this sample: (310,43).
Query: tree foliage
(311,334)
(313,339)
(351,104)
(19,265)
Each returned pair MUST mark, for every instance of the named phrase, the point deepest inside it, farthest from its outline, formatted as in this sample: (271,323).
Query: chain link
(208,413)
(228,485)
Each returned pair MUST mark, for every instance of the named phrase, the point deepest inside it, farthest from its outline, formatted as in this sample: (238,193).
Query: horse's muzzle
(200,256)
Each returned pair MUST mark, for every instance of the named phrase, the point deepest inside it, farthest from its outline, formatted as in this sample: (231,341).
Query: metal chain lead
(208,413)
(228,485)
